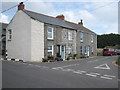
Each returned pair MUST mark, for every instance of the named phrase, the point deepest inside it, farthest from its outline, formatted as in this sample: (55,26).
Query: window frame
(50,33)
(81,50)
(9,34)
(69,49)
(92,39)
(51,49)
(81,36)
(70,36)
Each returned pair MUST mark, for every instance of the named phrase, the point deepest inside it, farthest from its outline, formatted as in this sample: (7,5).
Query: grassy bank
(118,61)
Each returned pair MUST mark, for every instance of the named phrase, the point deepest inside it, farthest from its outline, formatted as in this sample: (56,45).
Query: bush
(44,59)
(118,61)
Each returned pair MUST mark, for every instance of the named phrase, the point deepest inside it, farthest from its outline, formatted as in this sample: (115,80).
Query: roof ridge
(40,14)
(4,23)
(58,19)
(51,17)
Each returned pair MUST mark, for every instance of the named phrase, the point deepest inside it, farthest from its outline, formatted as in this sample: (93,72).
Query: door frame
(61,51)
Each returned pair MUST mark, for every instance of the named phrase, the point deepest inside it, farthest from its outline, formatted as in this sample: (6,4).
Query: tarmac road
(95,72)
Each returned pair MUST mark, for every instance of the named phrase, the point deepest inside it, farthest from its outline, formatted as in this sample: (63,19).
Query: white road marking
(67,70)
(81,71)
(57,68)
(105,77)
(77,72)
(94,73)
(109,76)
(91,75)
(66,66)
(103,66)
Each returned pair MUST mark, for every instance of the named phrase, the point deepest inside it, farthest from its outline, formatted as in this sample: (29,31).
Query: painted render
(27,41)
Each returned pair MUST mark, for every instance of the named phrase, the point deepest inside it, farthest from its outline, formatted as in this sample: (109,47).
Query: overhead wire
(12,7)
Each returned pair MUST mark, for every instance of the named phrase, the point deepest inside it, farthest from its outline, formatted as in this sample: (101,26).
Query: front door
(62,51)
(88,51)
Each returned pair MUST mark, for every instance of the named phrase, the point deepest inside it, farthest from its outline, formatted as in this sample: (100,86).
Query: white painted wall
(20,45)
(37,40)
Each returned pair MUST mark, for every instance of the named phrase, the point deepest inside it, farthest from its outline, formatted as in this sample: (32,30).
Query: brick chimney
(60,17)
(21,6)
(81,22)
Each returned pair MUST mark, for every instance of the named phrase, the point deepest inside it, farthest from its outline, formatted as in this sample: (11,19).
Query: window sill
(50,39)
(9,40)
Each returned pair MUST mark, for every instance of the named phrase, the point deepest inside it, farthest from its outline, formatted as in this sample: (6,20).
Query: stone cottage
(32,36)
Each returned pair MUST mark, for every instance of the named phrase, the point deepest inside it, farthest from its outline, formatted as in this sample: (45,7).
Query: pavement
(95,72)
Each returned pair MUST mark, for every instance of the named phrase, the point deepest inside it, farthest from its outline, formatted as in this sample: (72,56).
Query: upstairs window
(9,34)
(81,36)
(69,35)
(91,38)
(50,33)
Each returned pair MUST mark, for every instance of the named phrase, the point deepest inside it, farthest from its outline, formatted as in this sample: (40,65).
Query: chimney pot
(21,6)
(60,17)
(81,22)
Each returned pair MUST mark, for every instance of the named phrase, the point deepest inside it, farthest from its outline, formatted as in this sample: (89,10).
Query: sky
(100,16)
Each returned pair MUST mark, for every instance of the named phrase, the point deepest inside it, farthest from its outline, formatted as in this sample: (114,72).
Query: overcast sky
(100,16)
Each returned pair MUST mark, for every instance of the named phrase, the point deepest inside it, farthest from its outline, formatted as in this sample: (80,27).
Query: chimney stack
(60,17)
(81,22)
(21,6)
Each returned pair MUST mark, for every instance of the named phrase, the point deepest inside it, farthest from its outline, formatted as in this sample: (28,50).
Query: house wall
(60,38)
(20,45)
(0,40)
(69,43)
(37,40)
(86,42)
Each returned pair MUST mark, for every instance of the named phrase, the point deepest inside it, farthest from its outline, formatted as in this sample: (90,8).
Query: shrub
(118,61)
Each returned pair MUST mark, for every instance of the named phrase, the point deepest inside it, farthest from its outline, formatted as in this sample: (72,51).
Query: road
(95,72)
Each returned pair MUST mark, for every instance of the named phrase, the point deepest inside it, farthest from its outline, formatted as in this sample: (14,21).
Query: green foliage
(108,40)
(50,57)
(118,61)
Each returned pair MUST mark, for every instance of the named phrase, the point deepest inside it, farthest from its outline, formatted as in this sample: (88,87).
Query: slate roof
(55,21)
(3,25)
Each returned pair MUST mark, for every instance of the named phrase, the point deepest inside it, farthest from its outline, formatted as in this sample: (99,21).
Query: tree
(108,40)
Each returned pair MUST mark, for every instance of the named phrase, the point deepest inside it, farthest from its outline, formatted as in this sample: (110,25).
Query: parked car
(109,51)
(118,51)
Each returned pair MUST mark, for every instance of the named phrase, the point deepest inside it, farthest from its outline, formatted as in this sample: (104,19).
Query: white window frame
(52,49)
(9,34)
(82,50)
(81,36)
(70,35)
(69,50)
(50,33)
(91,38)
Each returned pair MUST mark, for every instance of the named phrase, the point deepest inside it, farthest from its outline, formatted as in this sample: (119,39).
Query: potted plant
(75,56)
(44,59)
(58,58)
(51,58)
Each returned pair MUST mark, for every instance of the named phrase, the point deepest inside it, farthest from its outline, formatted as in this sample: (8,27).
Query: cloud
(101,20)
(39,6)
(4,18)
